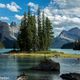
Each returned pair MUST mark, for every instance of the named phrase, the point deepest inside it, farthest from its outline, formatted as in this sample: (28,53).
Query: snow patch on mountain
(65,37)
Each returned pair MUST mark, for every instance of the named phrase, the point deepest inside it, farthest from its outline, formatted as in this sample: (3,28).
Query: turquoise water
(4,50)
(70,51)
(11,67)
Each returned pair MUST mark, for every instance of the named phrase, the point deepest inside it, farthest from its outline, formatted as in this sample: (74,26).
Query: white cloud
(59,29)
(18,17)
(64,18)
(11,6)
(33,6)
(4,18)
(2,5)
(63,14)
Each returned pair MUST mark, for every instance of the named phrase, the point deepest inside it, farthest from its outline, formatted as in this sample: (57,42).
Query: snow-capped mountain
(13,30)
(8,34)
(66,37)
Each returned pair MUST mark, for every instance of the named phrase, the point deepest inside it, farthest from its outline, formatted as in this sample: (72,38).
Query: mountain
(13,24)
(14,30)
(8,34)
(66,37)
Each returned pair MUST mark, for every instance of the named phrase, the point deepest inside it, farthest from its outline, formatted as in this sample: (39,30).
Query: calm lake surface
(11,67)
(70,51)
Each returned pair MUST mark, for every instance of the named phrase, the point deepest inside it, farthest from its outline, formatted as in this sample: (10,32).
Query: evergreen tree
(43,32)
(31,38)
(39,38)
(34,34)
(29,31)
(27,36)
(49,33)
(22,34)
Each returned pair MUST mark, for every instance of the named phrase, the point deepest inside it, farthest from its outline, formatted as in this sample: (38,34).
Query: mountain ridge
(66,37)
(8,34)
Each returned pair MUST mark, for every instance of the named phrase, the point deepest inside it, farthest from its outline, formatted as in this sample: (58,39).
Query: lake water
(11,67)
(70,51)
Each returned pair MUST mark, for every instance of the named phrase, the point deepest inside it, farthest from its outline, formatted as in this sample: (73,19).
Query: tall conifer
(39,38)
(22,34)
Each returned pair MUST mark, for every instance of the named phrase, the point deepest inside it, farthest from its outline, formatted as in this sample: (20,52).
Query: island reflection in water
(11,67)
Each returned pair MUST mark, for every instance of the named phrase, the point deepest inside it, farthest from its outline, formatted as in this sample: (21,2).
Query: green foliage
(46,33)
(49,32)
(22,35)
(39,37)
(32,37)
(27,36)
(34,34)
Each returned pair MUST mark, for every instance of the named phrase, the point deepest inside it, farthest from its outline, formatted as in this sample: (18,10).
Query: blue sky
(9,10)
(8,14)
(64,14)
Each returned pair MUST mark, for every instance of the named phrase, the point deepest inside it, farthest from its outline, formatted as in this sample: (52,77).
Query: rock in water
(23,76)
(70,76)
(47,65)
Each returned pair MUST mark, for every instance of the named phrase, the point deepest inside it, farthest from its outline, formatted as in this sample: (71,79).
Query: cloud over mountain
(4,18)
(64,14)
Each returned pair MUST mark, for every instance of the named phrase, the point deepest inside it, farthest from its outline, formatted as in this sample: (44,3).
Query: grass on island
(47,54)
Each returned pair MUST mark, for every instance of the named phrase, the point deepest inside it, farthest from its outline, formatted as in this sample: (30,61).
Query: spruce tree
(34,34)
(25,36)
(43,31)
(22,34)
(29,35)
(32,38)
(49,33)
(39,36)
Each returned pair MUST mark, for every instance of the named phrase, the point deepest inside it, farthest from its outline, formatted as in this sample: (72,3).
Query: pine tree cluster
(36,32)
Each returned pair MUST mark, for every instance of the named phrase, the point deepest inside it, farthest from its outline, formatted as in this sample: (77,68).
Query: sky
(12,10)
(64,14)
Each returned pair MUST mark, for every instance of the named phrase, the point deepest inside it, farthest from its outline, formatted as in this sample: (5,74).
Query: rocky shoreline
(70,76)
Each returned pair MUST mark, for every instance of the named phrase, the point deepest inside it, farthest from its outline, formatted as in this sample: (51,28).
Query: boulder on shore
(71,76)
(47,65)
